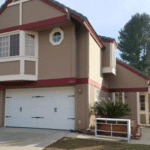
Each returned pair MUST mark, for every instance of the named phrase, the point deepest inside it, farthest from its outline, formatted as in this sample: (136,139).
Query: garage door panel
(53,105)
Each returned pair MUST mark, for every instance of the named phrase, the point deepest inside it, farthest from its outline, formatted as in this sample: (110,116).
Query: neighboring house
(53,66)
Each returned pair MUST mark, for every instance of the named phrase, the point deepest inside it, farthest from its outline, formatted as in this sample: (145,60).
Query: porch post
(138,107)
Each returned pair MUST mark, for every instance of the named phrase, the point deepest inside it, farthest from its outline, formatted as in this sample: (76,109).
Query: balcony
(19,56)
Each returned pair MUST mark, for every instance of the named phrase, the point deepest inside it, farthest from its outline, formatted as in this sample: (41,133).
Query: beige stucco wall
(30,67)
(82,53)
(10,68)
(36,10)
(9,17)
(95,63)
(57,61)
(126,79)
(82,112)
(2,107)
(131,100)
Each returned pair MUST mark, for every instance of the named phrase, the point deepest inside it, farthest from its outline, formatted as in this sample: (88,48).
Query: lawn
(88,144)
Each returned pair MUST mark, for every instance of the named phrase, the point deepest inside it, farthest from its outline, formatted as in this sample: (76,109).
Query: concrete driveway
(29,139)
(145,139)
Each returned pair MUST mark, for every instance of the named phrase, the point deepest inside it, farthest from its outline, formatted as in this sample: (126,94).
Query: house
(53,66)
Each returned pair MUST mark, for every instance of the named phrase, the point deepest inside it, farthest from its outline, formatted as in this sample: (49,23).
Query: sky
(107,17)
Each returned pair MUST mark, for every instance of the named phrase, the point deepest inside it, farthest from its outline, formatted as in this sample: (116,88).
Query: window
(142,102)
(9,45)
(56,36)
(119,97)
(29,45)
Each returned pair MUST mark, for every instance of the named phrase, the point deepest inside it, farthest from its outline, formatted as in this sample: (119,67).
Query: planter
(114,128)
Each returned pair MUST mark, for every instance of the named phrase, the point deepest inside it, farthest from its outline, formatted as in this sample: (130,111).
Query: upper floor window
(29,44)
(56,36)
(9,45)
(18,43)
(119,97)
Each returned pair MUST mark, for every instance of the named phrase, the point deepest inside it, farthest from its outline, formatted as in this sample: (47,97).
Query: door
(51,108)
(144,109)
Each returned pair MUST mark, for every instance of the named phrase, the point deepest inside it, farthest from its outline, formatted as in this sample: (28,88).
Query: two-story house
(53,66)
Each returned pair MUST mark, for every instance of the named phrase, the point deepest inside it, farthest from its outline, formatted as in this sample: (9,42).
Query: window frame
(21,44)
(52,34)
(9,34)
(123,97)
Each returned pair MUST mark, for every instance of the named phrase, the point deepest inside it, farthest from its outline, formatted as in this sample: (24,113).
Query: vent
(8,97)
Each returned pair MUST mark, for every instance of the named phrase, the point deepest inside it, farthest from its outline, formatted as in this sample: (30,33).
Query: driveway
(29,139)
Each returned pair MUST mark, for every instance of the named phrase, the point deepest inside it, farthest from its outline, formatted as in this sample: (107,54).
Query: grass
(88,144)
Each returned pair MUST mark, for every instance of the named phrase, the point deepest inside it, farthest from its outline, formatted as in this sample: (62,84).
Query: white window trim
(123,97)
(22,58)
(51,36)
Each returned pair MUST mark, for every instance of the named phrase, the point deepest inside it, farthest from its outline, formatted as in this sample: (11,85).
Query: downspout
(67,12)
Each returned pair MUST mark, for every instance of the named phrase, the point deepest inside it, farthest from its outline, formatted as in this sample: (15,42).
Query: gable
(36,10)
(32,11)
(9,17)
(126,79)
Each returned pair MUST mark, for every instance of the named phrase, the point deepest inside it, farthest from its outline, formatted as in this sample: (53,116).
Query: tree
(107,109)
(134,42)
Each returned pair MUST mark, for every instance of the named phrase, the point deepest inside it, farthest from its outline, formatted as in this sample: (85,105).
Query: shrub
(107,109)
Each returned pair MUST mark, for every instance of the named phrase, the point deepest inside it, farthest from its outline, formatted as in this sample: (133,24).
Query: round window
(56,36)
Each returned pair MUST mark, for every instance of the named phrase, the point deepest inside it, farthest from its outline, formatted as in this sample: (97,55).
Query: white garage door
(52,108)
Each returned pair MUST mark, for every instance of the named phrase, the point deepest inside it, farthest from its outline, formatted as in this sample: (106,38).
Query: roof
(108,39)
(76,15)
(133,69)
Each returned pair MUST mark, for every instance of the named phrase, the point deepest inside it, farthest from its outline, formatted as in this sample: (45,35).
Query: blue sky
(107,16)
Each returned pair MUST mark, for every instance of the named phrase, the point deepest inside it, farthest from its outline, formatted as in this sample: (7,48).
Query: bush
(107,109)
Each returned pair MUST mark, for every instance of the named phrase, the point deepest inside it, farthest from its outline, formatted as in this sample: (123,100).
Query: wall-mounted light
(80,89)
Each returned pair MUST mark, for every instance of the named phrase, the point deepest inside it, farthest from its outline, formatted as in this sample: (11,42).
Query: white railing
(107,127)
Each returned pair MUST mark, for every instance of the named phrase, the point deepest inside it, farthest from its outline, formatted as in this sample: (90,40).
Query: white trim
(20,14)
(15,58)
(138,107)
(146,108)
(113,97)
(109,70)
(51,36)
(123,97)
(18,78)
(16,3)
(9,33)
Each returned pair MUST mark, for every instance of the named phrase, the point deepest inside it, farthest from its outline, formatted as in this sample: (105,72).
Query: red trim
(129,90)
(109,41)
(82,81)
(66,81)
(54,5)
(85,23)
(39,83)
(94,35)
(132,70)
(36,24)
(97,85)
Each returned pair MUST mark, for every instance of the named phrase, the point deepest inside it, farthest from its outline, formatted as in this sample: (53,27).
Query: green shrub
(107,109)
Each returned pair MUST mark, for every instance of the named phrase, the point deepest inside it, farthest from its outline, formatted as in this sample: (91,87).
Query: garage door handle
(8,116)
(71,118)
(38,117)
